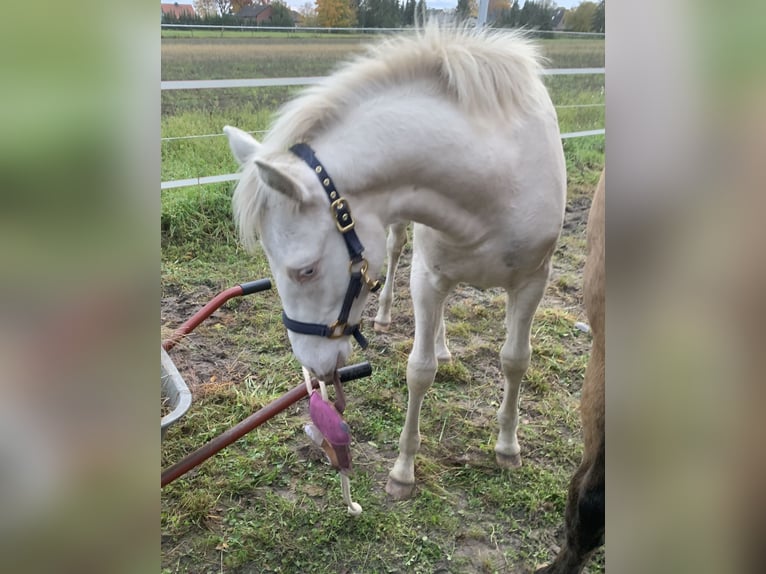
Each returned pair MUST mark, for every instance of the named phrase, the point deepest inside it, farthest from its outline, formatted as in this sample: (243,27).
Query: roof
(178,10)
(252,11)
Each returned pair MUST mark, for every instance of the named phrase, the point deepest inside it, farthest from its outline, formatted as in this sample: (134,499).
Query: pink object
(328,421)
(335,431)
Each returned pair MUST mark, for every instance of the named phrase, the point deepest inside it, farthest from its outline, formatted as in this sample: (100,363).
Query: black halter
(345,224)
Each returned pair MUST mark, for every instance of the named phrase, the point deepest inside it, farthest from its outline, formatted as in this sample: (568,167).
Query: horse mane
(488,73)
(485,72)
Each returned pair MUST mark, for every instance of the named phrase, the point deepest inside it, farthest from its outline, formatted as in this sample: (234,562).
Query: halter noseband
(345,224)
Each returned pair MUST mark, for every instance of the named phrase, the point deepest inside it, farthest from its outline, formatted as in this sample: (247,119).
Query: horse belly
(491,264)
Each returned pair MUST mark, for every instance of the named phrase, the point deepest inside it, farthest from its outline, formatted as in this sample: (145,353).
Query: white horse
(451,129)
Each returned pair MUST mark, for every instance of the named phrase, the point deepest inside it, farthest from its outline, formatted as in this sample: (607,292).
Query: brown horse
(585,504)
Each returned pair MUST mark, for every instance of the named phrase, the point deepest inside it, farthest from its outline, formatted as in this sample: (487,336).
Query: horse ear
(278,178)
(242,144)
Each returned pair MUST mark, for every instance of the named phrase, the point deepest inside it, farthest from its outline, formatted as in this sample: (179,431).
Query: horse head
(321,256)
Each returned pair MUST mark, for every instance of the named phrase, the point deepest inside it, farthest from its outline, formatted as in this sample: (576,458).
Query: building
(255,14)
(177,11)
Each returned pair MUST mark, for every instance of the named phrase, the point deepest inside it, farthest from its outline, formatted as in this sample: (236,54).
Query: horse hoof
(354,510)
(444,358)
(508,461)
(380,327)
(399,490)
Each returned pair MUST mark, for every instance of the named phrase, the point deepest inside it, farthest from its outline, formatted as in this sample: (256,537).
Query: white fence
(235,176)
(324,30)
(308,80)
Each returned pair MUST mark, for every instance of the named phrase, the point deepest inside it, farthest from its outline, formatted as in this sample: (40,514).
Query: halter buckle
(337,330)
(336,207)
(372,284)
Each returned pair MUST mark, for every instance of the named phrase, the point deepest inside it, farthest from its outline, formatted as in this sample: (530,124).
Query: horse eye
(304,274)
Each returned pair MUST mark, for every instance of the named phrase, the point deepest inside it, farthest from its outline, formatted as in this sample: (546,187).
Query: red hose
(276,406)
(213,305)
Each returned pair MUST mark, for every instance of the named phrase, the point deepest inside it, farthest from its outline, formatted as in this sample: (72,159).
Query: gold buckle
(336,206)
(371,284)
(334,330)
(362,269)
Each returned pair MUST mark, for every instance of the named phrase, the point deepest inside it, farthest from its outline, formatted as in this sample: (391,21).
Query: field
(269,503)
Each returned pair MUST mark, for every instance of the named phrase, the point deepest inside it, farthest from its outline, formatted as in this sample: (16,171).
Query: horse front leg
(397,238)
(428,301)
(515,355)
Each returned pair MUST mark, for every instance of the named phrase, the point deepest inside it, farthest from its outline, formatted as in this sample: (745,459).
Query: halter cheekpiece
(358,267)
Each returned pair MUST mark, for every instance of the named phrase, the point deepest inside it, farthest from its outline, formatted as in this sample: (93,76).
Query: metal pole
(256,419)
(212,306)
(481,21)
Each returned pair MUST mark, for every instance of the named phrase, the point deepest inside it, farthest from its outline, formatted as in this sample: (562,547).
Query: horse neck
(409,158)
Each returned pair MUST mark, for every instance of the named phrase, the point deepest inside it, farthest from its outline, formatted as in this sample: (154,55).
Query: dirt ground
(200,360)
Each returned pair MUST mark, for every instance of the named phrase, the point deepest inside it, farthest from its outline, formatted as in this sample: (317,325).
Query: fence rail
(326,30)
(204,180)
(308,80)
(261,132)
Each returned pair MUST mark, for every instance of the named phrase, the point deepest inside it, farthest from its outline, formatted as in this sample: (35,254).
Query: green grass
(269,502)
(265,57)
(264,34)
(564,52)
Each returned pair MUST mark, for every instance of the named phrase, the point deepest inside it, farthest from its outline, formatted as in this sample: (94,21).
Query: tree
(408,13)
(205,8)
(537,15)
(515,13)
(281,15)
(237,5)
(335,13)
(509,18)
(309,13)
(379,14)
(463,10)
(581,18)
(599,18)
(496,9)
(420,11)
(224,7)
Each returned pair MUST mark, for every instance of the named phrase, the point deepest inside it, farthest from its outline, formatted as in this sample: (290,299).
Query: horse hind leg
(428,297)
(443,354)
(395,242)
(397,238)
(515,356)
(584,517)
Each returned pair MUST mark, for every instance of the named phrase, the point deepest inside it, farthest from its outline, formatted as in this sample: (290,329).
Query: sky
(439,4)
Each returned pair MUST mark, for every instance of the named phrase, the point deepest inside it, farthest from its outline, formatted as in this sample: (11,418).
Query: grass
(264,33)
(269,502)
(267,57)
